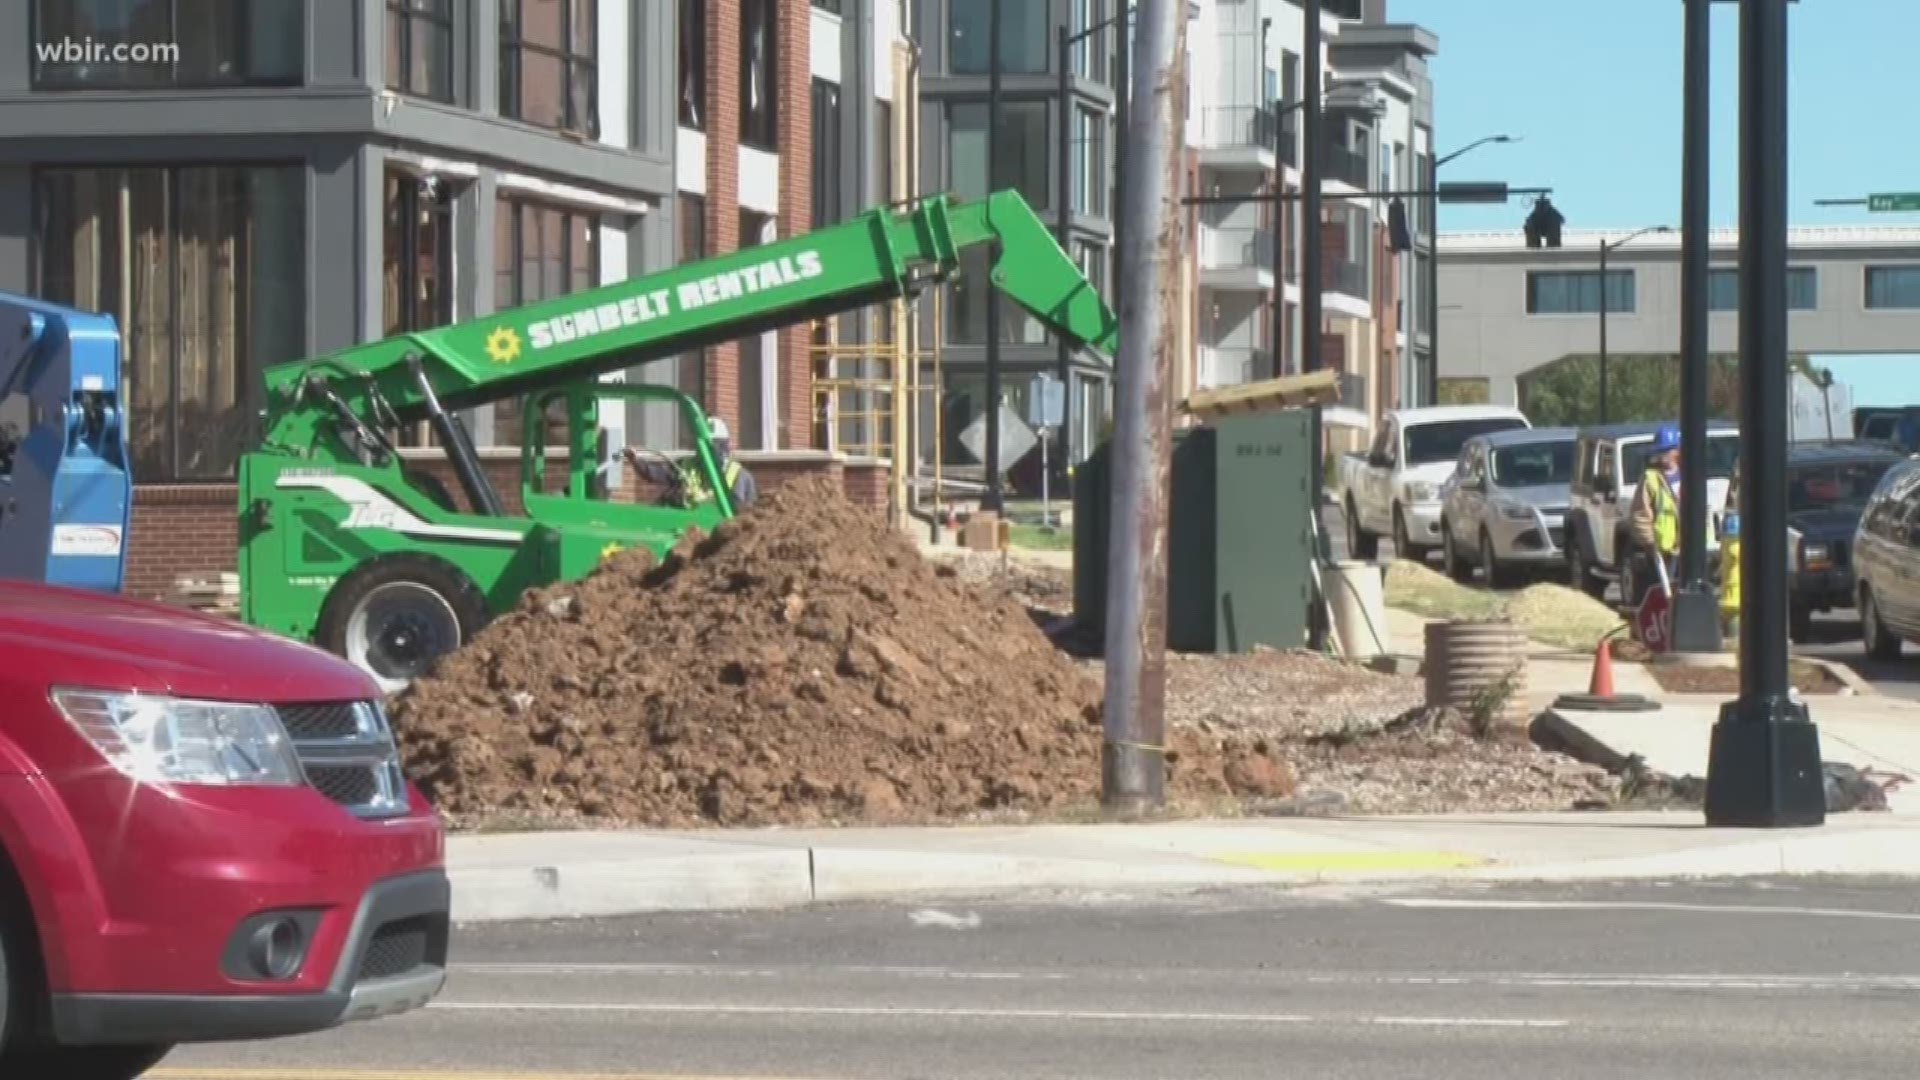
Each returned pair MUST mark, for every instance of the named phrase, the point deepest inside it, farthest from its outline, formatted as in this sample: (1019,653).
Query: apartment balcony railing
(1224,247)
(1231,365)
(1239,125)
(1344,276)
(1346,166)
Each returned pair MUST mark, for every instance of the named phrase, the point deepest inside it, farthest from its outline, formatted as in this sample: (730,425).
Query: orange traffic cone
(1602,684)
(1600,696)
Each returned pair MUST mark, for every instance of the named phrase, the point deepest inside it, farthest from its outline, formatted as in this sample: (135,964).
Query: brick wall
(721,394)
(1386,320)
(794,66)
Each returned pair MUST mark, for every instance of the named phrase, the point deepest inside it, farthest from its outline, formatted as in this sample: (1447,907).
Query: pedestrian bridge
(1506,309)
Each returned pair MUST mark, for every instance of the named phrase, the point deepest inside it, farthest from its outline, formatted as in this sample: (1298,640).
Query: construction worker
(1656,507)
(686,486)
(1730,558)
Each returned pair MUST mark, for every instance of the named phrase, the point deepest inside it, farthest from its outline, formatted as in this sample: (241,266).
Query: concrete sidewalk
(560,875)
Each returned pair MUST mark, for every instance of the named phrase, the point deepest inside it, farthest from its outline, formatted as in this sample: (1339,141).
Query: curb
(1888,852)
(1848,677)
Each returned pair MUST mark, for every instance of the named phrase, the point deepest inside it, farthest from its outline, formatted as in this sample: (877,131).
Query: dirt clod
(802,665)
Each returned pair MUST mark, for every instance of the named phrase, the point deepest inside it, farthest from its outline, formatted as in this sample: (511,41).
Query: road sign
(1895,201)
(1046,401)
(1653,623)
(1016,439)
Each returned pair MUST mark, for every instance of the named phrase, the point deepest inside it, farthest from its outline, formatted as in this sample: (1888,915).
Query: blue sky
(1592,87)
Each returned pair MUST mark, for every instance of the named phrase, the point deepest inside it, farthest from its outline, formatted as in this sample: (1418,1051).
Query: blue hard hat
(1667,438)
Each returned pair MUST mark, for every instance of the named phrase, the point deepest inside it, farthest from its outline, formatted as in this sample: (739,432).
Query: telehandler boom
(344,544)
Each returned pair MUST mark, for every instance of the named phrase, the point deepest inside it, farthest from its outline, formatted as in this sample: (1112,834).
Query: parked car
(1608,464)
(1394,488)
(1828,487)
(1886,562)
(1505,508)
(205,835)
(1894,425)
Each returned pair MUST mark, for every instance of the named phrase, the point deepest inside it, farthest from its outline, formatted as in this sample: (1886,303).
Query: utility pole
(995,500)
(1696,610)
(1310,300)
(1064,218)
(1122,120)
(1764,767)
(1134,771)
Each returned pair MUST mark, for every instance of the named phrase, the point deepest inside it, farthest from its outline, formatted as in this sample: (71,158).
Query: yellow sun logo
(610,551)
(503,345)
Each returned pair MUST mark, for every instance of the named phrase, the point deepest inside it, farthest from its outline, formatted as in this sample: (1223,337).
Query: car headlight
(1419,491)
(1813,556)
(165,740)
(1516,512)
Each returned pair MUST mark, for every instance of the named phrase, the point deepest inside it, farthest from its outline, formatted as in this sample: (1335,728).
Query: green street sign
(1893,201)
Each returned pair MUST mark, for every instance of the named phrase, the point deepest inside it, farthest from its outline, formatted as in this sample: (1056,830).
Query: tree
(1641,388)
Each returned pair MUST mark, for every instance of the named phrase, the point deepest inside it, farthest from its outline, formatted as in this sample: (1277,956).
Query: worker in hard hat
(1730,558)
(1656,510)
(686,486)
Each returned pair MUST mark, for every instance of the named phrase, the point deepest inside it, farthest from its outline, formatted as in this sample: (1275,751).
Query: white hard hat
(718,428)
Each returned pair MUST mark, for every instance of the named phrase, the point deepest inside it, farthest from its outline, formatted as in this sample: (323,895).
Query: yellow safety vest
(1666,513)
(697,485)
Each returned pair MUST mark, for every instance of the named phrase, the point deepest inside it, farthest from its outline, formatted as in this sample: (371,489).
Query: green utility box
(1240,539)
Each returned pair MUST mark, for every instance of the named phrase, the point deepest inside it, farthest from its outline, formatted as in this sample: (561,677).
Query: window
(1441,440)
(1289,76)
(1577,292)
(759,111)
(549,75)
(693,64)
(1089,162)
(416,271)
(829,5)
(420,48)
(1723,453)
(541,251)
(1723,289)
(1092,54)
(1893,287)
(205,268)
(883,151)
(827,204)
(692,366)
(756,353)
(967,308)
(1021,145)
(1092,260)
(1533,464)
(1026,37)
(184,42)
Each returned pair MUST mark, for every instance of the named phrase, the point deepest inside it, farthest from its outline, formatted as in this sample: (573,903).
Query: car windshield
(1841,486)
(1442,440)
(1534,464)
(1723,452)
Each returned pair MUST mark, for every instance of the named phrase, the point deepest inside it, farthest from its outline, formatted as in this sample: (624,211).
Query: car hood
(1434,472)
(1825,524)
(1542,496)
(57,636)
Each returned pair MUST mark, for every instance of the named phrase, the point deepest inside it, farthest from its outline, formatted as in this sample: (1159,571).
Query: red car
(205,835)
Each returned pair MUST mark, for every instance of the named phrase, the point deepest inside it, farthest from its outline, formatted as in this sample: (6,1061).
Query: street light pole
(1064,216)
(1764,766)
(995,501)
(1431,379)
(1605,248)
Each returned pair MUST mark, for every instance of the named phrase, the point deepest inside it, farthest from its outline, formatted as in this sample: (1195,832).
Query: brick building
(308,175)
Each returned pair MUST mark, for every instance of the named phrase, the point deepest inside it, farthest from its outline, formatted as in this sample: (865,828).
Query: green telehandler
(344,544)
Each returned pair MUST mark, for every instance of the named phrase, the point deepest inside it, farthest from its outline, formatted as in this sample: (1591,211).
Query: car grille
(398,947)
(348,753)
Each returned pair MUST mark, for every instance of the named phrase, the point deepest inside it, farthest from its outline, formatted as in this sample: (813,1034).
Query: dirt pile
(802,665)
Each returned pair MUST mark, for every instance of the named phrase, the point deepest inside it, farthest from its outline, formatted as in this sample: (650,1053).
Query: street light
(1432,314)
(1605,247)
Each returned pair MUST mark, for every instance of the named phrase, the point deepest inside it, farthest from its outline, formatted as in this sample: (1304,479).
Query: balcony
(1231,365)
(1236,257)
(1353,391)
(1344,288)
(1349,167)
(1239,137)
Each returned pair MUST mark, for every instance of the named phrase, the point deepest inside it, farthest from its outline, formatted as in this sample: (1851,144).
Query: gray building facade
(305,175)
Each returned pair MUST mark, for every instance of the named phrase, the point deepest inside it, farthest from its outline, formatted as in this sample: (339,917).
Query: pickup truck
(205,835)
(1608,464)
(1394,488)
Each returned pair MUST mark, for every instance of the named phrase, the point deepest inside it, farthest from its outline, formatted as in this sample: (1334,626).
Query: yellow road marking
(405,1074)
(1350,861)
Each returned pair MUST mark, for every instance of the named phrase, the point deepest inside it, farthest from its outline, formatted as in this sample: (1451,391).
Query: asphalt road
(1759,980)
(1836,634)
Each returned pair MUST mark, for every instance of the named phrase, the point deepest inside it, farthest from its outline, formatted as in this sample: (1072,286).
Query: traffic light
(1543,225)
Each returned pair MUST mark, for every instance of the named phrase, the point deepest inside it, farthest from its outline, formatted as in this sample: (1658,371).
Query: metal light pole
(1764,766)
(995,500)
(1605,248)
(1311,299)
(1431,379)
(1696,610)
